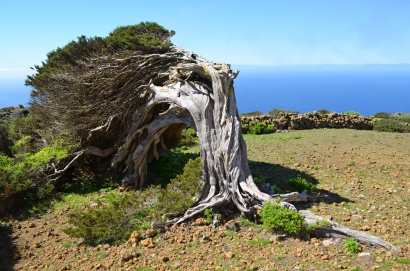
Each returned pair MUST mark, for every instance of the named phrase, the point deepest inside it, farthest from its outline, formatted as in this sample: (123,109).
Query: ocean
(14,92)
(366,89)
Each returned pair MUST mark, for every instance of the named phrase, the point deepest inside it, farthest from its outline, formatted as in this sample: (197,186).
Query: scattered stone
(31,225)
(327,243)
(365,228)
(150,233)
(129,256)
(364,254)
(200,222)
(229,255)
(147,243)
(233,225)
(134,239)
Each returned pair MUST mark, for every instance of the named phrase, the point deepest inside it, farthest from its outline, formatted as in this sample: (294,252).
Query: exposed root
(339,231)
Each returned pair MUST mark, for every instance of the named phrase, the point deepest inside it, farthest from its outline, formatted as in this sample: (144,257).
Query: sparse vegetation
(390,125)
(92,193)
(351,113)
(114,219)
(259,242)
(275,217)
(351,245)
(275,112)
(258,128)
(317,225)
(299,184)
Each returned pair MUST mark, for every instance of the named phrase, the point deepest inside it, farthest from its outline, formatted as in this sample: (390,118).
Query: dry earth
(363,181)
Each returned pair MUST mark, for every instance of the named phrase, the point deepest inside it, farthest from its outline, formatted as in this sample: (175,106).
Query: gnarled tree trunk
(152,97)
(209,106)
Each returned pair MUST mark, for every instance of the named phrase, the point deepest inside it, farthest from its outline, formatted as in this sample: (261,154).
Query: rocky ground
(363,181)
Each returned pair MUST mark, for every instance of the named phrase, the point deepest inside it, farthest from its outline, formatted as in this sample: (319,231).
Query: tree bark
(147,100)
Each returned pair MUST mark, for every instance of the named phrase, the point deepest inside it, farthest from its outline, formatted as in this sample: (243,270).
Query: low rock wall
(294,121)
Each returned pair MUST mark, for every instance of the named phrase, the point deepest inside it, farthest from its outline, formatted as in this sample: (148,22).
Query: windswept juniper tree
(126,96)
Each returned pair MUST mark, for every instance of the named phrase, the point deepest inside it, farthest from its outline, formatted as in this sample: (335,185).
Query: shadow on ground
(9,254)
(279,176)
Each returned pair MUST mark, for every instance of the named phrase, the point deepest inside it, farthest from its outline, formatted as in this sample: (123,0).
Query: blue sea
(366,89)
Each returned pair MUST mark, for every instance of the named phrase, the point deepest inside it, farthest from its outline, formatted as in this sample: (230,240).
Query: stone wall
(294,121)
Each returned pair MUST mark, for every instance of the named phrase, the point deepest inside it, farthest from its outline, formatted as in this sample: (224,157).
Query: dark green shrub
(102,225)
(245,128)
(404,119)
(300,184)
(382,115)
(144,34)
(182,192)
(275,112)
(23,175)
(5,141)
(188,137)
(258,128)
(323,111)
(114,220)
(351,113)
(209,215)
(317,225)
(390,125)
(275,217)
(170,164)
(270,129)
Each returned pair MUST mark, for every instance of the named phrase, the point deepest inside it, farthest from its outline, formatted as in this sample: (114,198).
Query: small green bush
(188,138)
(300,184)
(317,225)
(404,120)
(170,164)
(260,180)
(245,128)
(276,111)
(117,217)
(275,217)
(258,128)
(270,129)
(323,111)
(382,115)
(182,192)
(23,174)
(351,113)
(390,125)
(5,141)
(113,220)
(209,215)
(351,245)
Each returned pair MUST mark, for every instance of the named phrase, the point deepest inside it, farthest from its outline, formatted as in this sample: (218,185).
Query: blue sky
(258,32)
